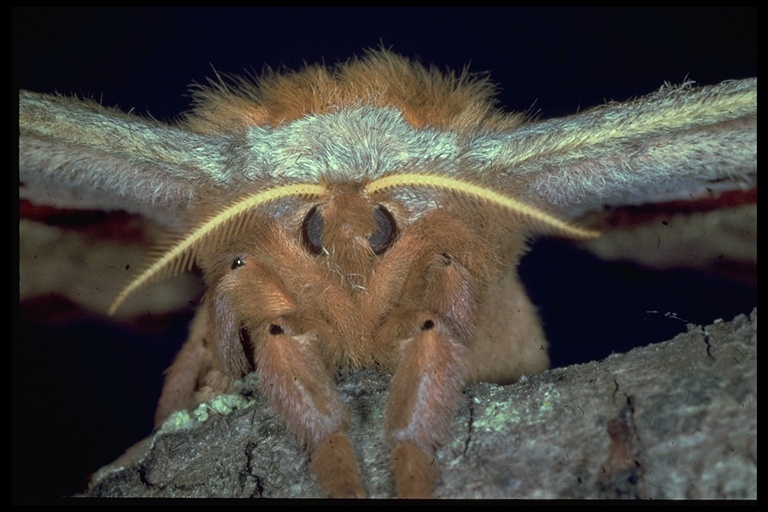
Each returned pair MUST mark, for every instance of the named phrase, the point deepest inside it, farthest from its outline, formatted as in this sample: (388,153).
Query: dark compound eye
(380,240)
(386,230)
(312,231)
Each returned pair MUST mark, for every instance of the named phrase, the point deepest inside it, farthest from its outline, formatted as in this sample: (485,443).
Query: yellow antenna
(463,187)
(182,254)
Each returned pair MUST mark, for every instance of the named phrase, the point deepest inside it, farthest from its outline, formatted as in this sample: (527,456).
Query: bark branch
(674,420)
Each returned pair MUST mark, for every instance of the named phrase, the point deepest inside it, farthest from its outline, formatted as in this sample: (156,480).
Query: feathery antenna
(486,194)
(225,223)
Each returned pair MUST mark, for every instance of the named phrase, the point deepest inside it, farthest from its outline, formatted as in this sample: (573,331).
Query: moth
(371,214)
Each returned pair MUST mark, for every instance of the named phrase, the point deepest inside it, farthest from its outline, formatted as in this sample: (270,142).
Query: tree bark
(674,420)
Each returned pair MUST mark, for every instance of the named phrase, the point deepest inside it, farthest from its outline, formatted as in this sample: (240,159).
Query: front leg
(424,394)
(193,377)
(428,336)
(299,386)
(258,326)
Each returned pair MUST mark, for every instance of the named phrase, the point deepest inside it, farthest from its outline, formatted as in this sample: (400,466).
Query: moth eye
(238,262)
(312,231)
(386,230)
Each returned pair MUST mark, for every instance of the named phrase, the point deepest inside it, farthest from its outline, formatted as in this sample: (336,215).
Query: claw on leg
(335,466)
(415,471)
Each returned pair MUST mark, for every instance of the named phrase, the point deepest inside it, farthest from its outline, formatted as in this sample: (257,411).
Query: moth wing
(689,152)
(77,154)
(678,143)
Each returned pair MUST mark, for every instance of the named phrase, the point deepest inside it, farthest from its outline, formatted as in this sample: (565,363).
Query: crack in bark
(470,422)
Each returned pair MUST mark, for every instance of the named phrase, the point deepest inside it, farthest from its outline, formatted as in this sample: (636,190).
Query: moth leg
(190,379)
(299,386)
(509,341)
(424,394)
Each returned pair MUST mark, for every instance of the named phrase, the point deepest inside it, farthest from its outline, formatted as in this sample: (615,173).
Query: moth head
(349,230)
(346,225)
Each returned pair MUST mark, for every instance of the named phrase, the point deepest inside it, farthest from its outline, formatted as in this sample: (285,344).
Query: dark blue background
(83,394)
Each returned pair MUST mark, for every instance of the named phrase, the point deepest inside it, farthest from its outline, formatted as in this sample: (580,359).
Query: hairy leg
(301,389)
(183,377)
(425,391)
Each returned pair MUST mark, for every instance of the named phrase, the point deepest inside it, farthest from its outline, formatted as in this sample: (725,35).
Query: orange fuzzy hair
(426,97)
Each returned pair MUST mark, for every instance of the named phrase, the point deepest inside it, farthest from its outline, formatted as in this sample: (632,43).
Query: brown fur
(415,471)
(427,97)
(335,466)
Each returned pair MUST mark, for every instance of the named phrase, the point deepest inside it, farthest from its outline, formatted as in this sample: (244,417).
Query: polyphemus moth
(371,214)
